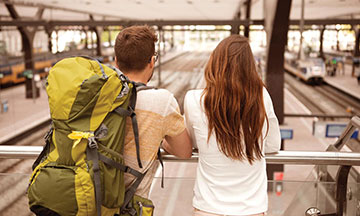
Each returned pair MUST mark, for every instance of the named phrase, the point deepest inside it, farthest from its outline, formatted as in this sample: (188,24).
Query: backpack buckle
(92,143)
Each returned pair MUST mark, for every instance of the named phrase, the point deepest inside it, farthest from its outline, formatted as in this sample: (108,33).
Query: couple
(232,123)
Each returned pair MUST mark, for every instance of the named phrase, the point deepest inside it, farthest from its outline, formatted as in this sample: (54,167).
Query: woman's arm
(273,138)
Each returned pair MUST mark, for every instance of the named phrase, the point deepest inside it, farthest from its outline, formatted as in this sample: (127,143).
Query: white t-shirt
(223,185)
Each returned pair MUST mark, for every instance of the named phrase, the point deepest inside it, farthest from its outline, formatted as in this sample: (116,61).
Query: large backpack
(81,169)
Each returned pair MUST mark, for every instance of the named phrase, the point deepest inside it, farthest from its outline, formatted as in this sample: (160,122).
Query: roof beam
(39,5)
(247,17)
(166,22)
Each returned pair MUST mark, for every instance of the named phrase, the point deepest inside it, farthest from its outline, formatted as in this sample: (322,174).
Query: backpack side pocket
(65,190)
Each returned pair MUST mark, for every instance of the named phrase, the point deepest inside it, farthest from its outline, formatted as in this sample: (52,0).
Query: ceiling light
(189,2)
(138,2)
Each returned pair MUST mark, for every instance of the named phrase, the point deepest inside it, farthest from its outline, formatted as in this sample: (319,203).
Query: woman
(232,123)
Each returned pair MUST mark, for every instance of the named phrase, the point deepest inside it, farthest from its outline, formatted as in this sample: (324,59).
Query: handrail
(295,115)
(281,157)
(349,130)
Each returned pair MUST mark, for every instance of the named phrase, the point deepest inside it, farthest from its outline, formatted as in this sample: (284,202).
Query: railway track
(325,100)
(322,99)
(179,75)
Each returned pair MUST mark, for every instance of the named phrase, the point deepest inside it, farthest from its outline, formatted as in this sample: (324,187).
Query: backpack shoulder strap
(137,86)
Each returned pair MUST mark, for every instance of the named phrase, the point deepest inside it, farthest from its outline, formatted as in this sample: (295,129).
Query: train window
(40,70)
(6,72)
(20,75)
(303,70)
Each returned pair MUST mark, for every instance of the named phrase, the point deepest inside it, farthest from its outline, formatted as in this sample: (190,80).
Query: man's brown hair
(134,47)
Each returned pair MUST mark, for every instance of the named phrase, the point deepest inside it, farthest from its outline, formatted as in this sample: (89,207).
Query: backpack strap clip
(92,142)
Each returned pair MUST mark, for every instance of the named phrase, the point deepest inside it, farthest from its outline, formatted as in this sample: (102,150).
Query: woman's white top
(226,186)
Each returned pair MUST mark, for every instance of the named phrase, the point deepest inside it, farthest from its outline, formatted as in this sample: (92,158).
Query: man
(157,111)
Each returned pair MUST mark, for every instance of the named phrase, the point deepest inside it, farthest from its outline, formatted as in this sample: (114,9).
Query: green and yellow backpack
(81,169)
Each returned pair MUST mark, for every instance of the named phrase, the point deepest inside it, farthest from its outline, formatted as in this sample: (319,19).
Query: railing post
(341,186)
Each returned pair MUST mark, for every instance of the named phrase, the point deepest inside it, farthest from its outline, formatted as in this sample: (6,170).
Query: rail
(293,115)
(281,157)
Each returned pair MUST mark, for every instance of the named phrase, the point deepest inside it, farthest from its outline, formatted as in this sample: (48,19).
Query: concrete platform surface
(345,82)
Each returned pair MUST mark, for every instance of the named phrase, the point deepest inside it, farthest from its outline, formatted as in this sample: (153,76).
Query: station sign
(286,134)
(330,129)
(336,129)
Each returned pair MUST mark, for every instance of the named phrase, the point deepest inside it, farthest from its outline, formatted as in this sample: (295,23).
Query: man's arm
(179,145)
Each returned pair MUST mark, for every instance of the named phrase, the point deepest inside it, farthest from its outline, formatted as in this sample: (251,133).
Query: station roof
(174,9)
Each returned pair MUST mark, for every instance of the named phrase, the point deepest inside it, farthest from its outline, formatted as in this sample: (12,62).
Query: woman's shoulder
(192,100)
(193,95)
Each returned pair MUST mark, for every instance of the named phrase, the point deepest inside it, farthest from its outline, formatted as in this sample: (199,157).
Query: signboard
(336,129)
(286,134)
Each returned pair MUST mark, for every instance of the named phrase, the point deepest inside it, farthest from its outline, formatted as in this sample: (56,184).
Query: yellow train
(13,73)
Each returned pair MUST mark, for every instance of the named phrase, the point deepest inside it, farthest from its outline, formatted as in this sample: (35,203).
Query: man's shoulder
(157,93)
(155,100)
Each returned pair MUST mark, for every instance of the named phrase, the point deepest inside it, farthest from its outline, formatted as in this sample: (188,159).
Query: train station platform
(344,82)
(23,114)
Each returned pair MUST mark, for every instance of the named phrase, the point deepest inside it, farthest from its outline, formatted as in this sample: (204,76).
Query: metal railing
(281,157)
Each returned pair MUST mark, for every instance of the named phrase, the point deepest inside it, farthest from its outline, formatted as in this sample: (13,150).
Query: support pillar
(337,41)
(357,42)
(356,48)
(49,32)
(164,42)
(301,52)
(321,49)
(97,31)
(92,42)
(248,12)
(27,38)
(109,37)
(172,38)
(27,35)
(235,29)
(276,25)
(86,39)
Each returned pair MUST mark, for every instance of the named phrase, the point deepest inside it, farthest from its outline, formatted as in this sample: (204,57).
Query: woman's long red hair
(233,100)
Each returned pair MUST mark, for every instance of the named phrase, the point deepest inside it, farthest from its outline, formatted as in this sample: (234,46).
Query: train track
(325,100)
(179,75)
(322,99)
